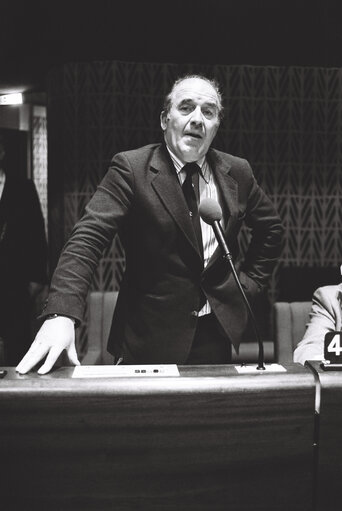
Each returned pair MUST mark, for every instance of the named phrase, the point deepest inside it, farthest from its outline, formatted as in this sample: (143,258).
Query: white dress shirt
(207,189)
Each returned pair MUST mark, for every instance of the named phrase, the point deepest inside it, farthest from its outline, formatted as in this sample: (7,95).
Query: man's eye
(185,108)
(208,113)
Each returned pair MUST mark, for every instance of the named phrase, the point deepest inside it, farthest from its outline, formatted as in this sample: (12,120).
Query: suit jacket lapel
(228,196)
(227,186)
(166,184)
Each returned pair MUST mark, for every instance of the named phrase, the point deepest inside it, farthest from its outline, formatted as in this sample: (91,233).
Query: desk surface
(209,439)
(200,377)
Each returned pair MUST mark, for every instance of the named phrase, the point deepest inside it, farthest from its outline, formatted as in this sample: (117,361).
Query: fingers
(34,355)
(50,360)
(72,355)
(54,336)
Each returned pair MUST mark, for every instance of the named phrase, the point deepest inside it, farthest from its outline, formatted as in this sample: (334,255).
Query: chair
(289,320)
(101,308)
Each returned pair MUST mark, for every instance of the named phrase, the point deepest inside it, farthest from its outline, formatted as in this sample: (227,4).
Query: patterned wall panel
(285,121)
(39,157)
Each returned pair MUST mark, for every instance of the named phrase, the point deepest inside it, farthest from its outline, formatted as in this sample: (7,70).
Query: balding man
(178,301)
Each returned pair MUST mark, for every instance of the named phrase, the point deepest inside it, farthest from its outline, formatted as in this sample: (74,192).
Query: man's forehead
(192,88)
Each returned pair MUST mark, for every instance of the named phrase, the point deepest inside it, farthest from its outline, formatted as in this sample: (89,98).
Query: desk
(210,439)
(329,468)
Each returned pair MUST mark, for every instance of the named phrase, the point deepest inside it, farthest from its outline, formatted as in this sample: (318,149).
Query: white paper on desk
(112,371)
(270,368)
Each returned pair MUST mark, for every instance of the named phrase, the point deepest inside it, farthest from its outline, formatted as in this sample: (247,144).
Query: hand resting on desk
(55,335)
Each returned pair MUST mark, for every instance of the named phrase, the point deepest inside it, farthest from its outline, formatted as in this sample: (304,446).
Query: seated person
(325,316)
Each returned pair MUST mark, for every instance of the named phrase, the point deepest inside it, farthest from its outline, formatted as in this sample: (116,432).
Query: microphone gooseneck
(211,213)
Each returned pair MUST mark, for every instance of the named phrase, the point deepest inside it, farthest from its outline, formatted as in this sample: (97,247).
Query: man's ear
(163,120)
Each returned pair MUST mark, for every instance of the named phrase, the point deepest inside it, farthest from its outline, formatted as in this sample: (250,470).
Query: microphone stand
(228,257)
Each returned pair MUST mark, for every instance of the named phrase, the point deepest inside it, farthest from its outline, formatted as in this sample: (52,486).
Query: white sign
(124,371)
(269,368)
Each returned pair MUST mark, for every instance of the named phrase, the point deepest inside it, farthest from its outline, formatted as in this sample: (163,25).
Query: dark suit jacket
(141,199)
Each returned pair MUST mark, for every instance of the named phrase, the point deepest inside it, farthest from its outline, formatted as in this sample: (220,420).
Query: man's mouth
(194,135)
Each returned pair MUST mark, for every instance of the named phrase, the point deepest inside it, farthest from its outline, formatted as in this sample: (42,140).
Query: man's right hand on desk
(55,335)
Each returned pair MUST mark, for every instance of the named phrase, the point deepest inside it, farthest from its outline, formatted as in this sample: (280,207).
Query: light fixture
(11,99)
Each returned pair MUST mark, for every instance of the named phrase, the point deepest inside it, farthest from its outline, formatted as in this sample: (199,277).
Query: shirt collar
(179,164)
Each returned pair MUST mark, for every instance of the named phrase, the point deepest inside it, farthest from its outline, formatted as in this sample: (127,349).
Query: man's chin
(190,154)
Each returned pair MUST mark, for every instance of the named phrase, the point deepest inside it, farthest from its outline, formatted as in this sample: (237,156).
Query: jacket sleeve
(104,216)
(323,319)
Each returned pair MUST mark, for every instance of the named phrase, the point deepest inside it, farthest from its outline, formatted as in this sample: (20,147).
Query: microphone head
(210,211)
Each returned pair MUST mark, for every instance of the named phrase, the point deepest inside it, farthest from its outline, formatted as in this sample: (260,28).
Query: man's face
(193,119)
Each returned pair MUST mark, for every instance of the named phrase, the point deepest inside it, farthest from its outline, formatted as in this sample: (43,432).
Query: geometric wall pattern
(287,121)
(39,158)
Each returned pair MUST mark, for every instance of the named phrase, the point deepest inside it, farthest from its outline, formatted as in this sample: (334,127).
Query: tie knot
(191,168)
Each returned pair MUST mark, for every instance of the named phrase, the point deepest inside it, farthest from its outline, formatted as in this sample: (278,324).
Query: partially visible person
(325,316)
(23,260)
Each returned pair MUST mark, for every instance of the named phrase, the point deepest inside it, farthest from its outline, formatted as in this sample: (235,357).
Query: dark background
(37,35)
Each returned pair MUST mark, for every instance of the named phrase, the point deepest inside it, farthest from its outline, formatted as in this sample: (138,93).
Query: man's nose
(196,116)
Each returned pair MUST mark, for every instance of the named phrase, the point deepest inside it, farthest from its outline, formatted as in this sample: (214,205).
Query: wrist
(52,316)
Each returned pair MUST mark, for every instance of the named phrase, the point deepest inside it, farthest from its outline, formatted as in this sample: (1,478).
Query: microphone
(211,213)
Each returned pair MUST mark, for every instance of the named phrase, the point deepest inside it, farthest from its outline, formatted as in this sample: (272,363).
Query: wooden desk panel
(208,440)
(329,470)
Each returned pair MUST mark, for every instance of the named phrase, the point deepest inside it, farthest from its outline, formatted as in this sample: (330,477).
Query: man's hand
(56,334)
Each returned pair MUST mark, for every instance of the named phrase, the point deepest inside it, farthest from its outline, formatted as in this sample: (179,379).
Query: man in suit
(23,259)
(178,301)
(325,316)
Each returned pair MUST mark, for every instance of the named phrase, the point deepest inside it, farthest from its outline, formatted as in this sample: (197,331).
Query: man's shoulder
(228,158)
(329,292)
(140,152)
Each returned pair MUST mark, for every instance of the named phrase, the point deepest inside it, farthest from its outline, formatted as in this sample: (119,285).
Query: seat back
(101,308)
(289,320)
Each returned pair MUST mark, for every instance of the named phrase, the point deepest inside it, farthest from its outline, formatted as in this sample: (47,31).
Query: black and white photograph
(170,255)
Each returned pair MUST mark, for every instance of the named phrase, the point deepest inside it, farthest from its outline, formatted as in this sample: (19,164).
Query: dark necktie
(191,192)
